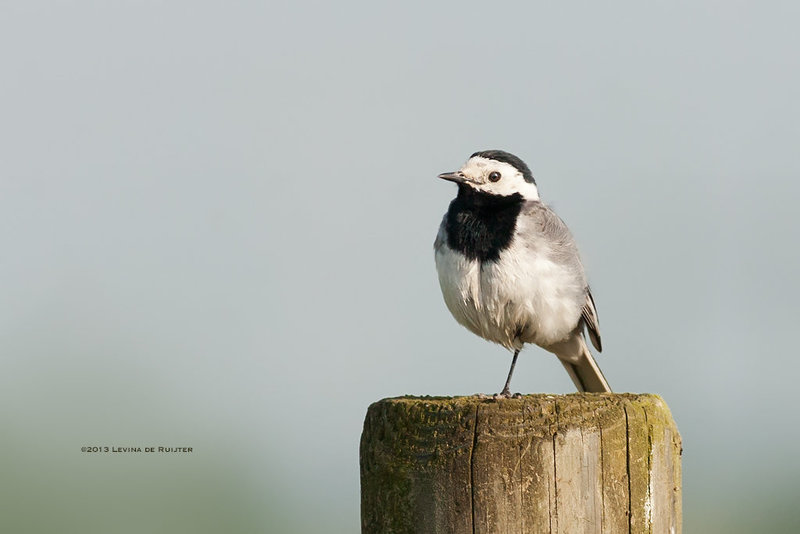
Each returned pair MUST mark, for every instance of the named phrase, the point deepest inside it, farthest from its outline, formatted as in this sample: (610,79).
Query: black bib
(480,225)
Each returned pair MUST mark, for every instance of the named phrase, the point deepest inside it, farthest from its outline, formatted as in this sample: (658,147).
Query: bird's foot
(506,394)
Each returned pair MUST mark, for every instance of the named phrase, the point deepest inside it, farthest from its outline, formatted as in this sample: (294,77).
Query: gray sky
(217,222)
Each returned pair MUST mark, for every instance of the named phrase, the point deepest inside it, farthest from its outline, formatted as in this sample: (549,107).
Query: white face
(497,178)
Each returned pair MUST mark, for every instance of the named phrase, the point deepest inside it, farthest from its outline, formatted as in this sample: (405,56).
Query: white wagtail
(510,270)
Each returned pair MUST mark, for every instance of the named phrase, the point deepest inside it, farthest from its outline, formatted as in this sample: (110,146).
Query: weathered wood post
(540,463)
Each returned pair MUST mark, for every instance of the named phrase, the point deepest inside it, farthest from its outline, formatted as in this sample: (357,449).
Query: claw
(506,394)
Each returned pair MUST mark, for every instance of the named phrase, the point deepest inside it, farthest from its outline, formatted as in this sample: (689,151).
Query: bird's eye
(494,176)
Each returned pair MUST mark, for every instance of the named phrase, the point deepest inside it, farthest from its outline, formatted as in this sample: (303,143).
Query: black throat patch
(480,225)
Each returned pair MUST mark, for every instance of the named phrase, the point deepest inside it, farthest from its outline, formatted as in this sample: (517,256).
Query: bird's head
(495,172)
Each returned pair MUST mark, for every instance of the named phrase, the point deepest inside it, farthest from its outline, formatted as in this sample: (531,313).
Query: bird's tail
(585,372)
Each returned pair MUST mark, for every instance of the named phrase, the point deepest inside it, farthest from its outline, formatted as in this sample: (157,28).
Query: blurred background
(217,221)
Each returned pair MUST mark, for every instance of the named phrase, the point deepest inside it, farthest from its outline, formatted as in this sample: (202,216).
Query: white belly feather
(524,297)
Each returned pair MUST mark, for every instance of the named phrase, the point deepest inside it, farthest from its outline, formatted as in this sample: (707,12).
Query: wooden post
(584,463)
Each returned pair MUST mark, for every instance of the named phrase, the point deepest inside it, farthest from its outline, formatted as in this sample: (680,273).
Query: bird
(510,271)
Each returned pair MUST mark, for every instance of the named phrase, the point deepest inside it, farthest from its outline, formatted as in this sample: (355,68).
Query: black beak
(457,177)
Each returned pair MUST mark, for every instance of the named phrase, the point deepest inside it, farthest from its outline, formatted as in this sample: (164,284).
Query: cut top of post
(537,463)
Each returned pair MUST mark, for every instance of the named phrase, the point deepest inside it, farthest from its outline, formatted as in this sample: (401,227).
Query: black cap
(511,159)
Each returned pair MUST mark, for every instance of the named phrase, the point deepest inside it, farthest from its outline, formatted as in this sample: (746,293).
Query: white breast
(524,297)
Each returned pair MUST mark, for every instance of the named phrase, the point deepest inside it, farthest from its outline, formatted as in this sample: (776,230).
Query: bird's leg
(506,392)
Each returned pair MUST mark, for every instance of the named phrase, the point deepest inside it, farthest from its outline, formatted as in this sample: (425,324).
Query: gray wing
(550,235)
(556,235)
(589,313)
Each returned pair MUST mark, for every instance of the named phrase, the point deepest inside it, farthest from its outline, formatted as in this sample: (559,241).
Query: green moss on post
(539,463)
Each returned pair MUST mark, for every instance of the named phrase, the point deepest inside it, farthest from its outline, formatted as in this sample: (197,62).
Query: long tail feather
(586,374)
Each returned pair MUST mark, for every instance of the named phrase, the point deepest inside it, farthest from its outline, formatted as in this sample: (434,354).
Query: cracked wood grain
(541,463)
